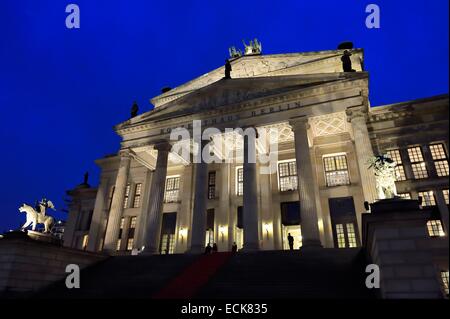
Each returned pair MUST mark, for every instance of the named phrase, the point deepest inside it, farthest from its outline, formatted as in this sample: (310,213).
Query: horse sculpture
(34,218)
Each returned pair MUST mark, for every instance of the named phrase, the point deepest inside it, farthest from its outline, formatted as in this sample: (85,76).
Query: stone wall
(409,260)
(28,265)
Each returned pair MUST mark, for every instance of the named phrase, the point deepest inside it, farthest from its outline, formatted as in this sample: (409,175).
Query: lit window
(287,176)
(445,194)
(444,278)
(131,232)
(427,198)
(119,240)
(336,170)
(399,169)
(172,189)
(137,195)
(418,165)
(209,237)
(404,195)
(440,159)
(167,244)
(85,242)
(127,196)
(240,181)
(351,235)
(211,185)
(435,228)
(340,235)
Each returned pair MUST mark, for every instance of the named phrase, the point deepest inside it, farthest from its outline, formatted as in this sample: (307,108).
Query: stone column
(250,196)
(115,215)
(443,209)
(97,216)
(154,215)
(357,117)
(306,193)
(201,192)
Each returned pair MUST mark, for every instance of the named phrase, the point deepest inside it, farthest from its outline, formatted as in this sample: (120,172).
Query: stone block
(425,285)
(386,233)
(408,271)
(390,258)
(396,285)
(402,244)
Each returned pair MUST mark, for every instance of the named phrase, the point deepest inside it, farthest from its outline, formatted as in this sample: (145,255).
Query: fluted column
(97,216)
(308,209)
(115,215)
(250,196)
(154,216)
(201,192)
(357,117)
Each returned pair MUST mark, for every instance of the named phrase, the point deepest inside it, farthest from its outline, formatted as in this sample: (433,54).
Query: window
(418,165)
(336,170)
(137,195)
(340,235)
(445,194)
(351,235)
(240,181)
(127,196)
(85,242)
(209,237)
(399,169)
(440,159)
(212,185)
(119,240)
(444,278)
(287,176)
(131,232)
(404,195)
(346,236)
(427,198)
(172,189)
(435,228)
(167,244)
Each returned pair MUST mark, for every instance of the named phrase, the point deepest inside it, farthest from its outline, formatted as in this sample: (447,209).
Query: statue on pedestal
(35,217)
(385,175)
(134,110)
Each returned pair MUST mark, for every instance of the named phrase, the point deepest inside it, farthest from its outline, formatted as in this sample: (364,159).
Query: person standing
(291,241)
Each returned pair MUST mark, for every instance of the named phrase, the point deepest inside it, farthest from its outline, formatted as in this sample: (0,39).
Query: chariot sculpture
(37,215)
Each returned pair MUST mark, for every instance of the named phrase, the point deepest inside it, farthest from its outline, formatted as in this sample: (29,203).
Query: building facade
(322,132)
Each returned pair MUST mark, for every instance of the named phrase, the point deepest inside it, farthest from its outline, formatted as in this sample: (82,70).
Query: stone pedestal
(396,239)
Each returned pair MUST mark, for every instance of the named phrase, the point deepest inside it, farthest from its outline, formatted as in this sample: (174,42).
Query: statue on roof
(234,53)
(134,109)
(347,62)
(254,47)
(385,175)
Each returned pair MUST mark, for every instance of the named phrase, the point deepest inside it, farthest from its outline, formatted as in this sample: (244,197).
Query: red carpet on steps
(186,284)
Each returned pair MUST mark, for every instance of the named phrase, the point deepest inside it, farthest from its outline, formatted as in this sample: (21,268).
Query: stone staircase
(325,273)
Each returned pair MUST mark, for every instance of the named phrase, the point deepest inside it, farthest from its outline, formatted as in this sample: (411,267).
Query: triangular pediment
(228,92)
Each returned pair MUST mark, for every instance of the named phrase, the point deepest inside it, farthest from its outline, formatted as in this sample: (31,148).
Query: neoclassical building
(325,130)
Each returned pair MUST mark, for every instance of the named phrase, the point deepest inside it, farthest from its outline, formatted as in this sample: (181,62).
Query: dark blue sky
(61,90)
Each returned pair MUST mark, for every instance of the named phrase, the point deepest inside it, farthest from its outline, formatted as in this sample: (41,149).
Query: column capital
(300,122)
(356,113)
(124,153)
(162,146)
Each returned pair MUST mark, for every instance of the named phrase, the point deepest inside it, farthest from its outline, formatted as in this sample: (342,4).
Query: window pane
(419,170)
(340,235)
(399,169)
(137,195)
(441,168)
(415,154)
(404,195)
(240,182)
(427,198)
(435,228)
(445,193)
(351,236)
(287,176)
(172,189)
(336,170)
(438,152)
(444,278)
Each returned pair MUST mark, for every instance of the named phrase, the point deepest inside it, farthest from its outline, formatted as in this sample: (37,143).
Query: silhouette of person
(86,178)
(208,249)
(291,241)
(347,62)
(234,247)
(215,249)
(227,69)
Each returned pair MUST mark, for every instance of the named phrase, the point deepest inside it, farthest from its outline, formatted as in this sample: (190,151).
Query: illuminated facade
(150,196)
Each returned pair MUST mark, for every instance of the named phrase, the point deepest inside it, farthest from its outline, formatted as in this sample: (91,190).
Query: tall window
(418,165)
(399,169)
(131,232)
(435,228)
(211,185)
(346,229)
(240,181)
(445,194)
(440,159)
(428,198)
(172,189)
(119,240)
(336,170)
(444,278)
(137,195)
(127,196)
(404,195)
(287,176)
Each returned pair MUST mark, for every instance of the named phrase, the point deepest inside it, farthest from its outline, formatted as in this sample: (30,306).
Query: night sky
(62,90)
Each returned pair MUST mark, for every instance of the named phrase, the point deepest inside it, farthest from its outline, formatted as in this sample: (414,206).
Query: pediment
(232,91)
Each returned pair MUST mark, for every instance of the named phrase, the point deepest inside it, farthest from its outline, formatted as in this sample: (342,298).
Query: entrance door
(240,228)
(343,219)
(209,227)
(290,221)
(168,233)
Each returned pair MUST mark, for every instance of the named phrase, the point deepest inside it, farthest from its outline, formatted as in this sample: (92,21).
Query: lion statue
(34,218)
(385,175)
